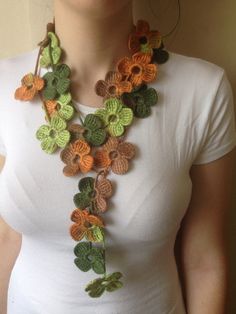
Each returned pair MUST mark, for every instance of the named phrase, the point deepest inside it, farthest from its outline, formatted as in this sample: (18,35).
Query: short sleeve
(219,136)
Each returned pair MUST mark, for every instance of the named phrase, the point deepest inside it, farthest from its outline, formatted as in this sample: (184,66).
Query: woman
(179,181)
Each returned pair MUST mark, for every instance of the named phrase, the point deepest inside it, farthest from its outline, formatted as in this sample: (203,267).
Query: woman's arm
(203,238)
(10,243)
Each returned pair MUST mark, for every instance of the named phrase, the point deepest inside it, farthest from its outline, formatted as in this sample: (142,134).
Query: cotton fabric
(192,124)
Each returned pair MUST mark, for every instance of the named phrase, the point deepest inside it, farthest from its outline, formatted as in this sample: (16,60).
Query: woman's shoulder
(14,66)
(192,75)
(192,65)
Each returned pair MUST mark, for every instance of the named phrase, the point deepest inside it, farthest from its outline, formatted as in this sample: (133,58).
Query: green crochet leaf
(62,71)
(81,200)
(49,77)
(53,39)
(126,116)
(150,96)
(92,122)
(102,114)
(57,123)
(56,54)
(112,286)
(64,99)
(82,248)
(43,132)
(82,263)
(48,145)
(86,184)
(116,129)
(97,233)
(66,112)
(49,93)
(96,137)
(62,138)
(62,85)
(95,288)
(98,267)
(114,276)
(113,105)
(142,110)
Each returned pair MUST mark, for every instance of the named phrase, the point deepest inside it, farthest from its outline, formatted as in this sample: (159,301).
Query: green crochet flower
(84,198)
(140,100)
(53,135)
(94,134)
(89,257)
(46,60)
(66,110)
(57,82)
(111,282)
(115,116)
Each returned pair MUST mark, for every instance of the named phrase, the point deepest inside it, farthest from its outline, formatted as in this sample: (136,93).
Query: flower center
(112,118)
(113,154)
(143,40)
(136,69)
(112,90)
(76,159)
(92,194)
(87,224)
(52,133)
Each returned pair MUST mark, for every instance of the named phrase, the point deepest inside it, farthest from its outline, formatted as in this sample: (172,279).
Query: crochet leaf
(46,60)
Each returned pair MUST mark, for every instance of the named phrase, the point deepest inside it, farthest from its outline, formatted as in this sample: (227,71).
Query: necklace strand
(98,143)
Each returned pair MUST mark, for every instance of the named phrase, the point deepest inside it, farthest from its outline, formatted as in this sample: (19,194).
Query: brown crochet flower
(83,224)
(144,40)
(31,84)
(113,86)
(137,69)
(103,190)
(76,157)
(115,154)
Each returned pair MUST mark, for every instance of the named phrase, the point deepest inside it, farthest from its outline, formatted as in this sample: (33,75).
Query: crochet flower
(89,257)
(115,154)
(93,131)
(115,116)
(53,135)
(64,111)
(31,85)
(57,82)
(143,39)
(160,55)
(140,100)
(111,282)
(113,86)
(86,225)
(77,158)
(60,106)
(93,195)
(138,69)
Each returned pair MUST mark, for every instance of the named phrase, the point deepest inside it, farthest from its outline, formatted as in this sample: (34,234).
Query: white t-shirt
(193,123)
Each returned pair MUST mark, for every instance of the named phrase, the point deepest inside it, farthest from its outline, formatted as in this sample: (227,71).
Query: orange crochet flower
(51,106)
(83,225)
(31,84)
(76,157)
(144,40)
(113,86)
(137,69)
(115,154)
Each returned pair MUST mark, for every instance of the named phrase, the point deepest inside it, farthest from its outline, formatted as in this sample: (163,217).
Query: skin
(94,38)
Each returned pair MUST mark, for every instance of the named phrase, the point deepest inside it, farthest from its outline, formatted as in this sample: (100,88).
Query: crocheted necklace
(97,143)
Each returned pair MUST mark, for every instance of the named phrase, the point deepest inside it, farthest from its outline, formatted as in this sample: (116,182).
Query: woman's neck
(92,45)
